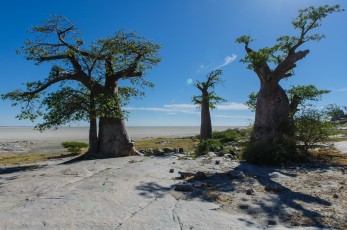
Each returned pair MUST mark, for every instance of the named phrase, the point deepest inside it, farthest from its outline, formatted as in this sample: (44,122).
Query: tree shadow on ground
(278,200)
(151,189)
(15,169)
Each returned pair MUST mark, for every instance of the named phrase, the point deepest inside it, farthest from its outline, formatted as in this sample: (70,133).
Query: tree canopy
(208,89)
(283,54)
(93,68)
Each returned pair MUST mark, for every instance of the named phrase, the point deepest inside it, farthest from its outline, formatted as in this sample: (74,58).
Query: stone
(180,150)
(237,174)
(168,150)
(200,176)
(230,156)
(199,185)
(183,187)
(186,174)
(243,206)
(171,171)
(271,222)
(273,188)
(220,154)
(211,154)
(250,191)
(158,152)
(217,162)
(335,196)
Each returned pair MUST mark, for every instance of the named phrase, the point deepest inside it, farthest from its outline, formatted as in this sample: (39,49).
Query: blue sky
(197,36)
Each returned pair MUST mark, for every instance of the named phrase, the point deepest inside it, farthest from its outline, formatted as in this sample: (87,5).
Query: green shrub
(74,147)
(270,152)
(312,128)
(231,135)
(206,146)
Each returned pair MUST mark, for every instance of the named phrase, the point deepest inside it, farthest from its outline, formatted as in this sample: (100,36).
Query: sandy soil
(25,139)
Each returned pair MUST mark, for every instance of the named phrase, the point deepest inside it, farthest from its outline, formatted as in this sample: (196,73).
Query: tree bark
(206,124)
(113,139)
(272,113)
(93,128)
(93,136)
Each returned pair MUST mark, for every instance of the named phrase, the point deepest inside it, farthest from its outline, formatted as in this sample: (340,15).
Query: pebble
(250,191)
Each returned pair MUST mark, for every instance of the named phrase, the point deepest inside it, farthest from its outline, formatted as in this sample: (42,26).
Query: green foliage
(312,128)
(207,146)
(83,72)
(334,112)
(245,39)
(252,101)
(305,93)
(74,147)
(274,151)
(231,135)
(207,89)
(307,20)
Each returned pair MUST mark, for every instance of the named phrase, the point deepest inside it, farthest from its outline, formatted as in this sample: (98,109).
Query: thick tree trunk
(272,113)
(113,139)
(93,136)
(93,129)
(206,125)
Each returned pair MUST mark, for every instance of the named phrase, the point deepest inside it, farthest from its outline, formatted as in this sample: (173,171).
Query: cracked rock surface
(137,193)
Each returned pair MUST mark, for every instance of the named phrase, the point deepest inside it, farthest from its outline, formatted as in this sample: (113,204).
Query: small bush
(206,146)
(74,147)
(270,152)
(231,135)
(312,128)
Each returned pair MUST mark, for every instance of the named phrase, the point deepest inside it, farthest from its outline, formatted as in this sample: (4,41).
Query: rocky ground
(167,192)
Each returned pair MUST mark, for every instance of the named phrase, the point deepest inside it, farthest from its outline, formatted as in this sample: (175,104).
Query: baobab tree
(99,67)
(272,64)
(298,96)
(208,100)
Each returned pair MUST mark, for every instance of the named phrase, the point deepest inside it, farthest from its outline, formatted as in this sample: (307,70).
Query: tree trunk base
(114,140)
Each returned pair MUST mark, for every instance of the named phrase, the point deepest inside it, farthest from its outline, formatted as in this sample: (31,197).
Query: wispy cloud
(232,106)
(227,60)
(169,109)
(341,90)
(187,108)
(229,116)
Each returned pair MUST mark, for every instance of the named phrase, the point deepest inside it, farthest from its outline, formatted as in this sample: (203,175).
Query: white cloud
(228,116)
(187,108)
(180,106)
(232,106)
(341,90)
(227,60)
(169,109)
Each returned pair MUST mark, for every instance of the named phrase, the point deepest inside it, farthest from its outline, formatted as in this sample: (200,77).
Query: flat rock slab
(123,193)
(341,146)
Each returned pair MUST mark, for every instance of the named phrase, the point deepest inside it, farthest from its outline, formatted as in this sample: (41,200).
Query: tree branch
(289,63)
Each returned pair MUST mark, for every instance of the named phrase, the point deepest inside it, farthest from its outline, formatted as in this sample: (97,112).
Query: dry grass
(188,144)
(329,156)
(11,159)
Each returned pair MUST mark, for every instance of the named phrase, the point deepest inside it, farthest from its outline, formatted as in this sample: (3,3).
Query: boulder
(168,150)
(183,187)
(237,175)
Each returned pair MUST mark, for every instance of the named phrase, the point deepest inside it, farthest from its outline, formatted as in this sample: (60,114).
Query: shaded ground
(137,193)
